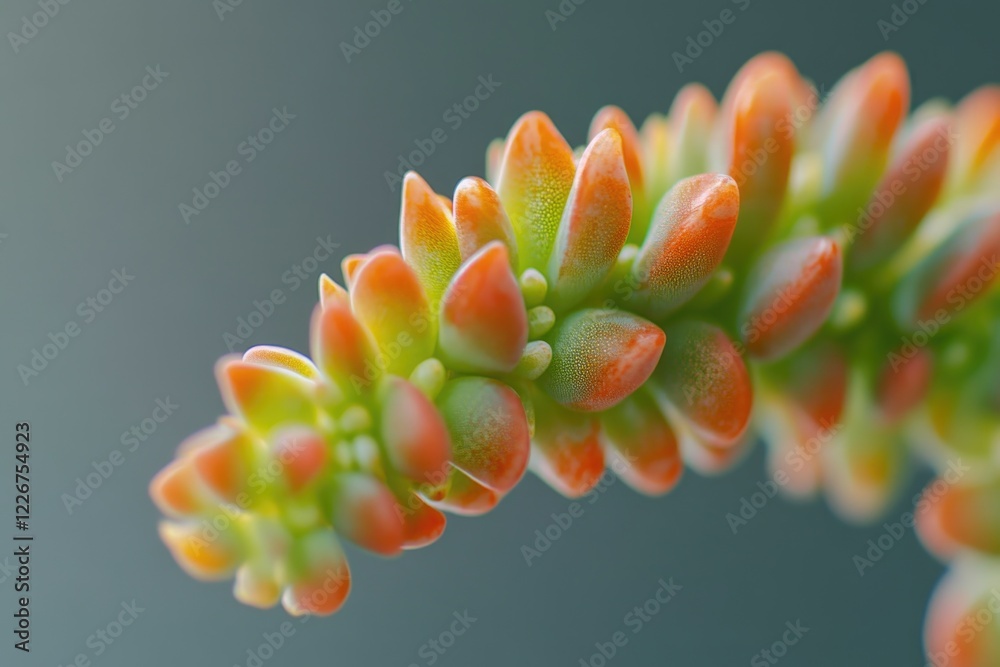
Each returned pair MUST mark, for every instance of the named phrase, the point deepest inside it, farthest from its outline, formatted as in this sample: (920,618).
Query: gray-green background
(324,176)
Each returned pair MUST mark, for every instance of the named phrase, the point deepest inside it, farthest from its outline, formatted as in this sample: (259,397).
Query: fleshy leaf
(567,451)
(322,580)
(599,357)
(225,461)
(960,514)
(614,118)
(535,180)
(642,447)
(789,295)
(484,326)
(962,628)
(864,117)
(692,116)
(207,559)
(977,135)
(489,431)
(279,357)
(428,236)
(365,512)
(904,195)
(705,379)
(423,524)
(177,490)
(266,396)
(480,219)
(302,454)
(389,301)
(954,275)
(759,142)
(329,291)
(341,347)
(594,224)
(903,383)
(415,436)
(691,230)
(466,496)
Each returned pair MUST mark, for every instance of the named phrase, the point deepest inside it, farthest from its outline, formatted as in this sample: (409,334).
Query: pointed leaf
(265,396)
(415,436)
(428,237)
(868,113)
(614,118)
(689,237)
(759,142)
(789,295)
(341,347)
(956,274)
(535,180)
(480,218)
(977,135)
(484,326)
(389,301)
(329,291)
(692,116)
(594,224)
(905,194)
(225,461)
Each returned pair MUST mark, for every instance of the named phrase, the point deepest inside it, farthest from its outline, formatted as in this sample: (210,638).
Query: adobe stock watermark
(697,44)
(899,16)
(248,150)
(892,533)
(131,439)
(958,298)
(973,623)
(435,480)
(259,480)
(121,108)
(886,195)
(433,649)
(223,7)
(102,639)
(562,12)
(773,654)
(561,522)
(454,117)
(387,351)
(635,620)
(87,310)
(271,644)
(33,23)
(795,459)
(363,34)
(301,273)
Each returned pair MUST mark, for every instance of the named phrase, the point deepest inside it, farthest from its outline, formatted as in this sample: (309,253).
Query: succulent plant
(818,273)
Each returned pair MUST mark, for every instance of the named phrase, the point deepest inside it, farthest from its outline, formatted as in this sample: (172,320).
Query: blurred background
(219,72)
